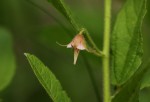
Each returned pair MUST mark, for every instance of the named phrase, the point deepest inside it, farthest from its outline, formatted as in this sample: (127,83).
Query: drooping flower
(78,43)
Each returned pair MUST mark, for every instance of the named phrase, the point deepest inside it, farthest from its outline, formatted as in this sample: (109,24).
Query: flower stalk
(94,49)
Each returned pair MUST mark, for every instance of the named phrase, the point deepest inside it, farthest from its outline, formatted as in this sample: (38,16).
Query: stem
(106,48)
(95,50)
(93,44)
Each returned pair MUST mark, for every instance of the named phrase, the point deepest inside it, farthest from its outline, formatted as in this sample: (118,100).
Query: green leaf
(61,7)
(127,41)
(7,59)
(146,79)
(47,79)
(144,95)
(130,91)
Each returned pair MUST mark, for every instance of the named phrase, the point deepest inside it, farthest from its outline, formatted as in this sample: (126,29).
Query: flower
(78,43)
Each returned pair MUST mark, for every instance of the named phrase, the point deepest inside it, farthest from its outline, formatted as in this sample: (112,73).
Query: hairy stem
(106,48)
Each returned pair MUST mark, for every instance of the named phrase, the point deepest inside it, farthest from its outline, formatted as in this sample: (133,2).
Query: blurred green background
(35,26)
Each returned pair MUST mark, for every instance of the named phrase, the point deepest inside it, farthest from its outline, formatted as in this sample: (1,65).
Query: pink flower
(78,43)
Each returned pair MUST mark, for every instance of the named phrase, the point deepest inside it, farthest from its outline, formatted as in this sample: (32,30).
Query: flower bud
(78,43)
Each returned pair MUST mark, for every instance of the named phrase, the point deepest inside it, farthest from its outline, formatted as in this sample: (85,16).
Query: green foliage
(35,32)
(145,95)
(127,52)
(61,7)
(146,79)
(47,79)
(130,91)
(127,41)
(7,59)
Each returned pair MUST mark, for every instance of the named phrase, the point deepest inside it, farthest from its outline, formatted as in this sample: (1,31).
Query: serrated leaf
(127,41)
(61,7)
(130,91)
(47,80)
(7,59)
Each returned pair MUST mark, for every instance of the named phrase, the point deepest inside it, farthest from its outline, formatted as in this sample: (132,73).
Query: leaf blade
(64,10)
(146,80)
(47,80)
(130,91)
(7,59)
(127,41)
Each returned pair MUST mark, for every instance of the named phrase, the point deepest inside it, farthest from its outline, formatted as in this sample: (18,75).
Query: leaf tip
(26,54)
